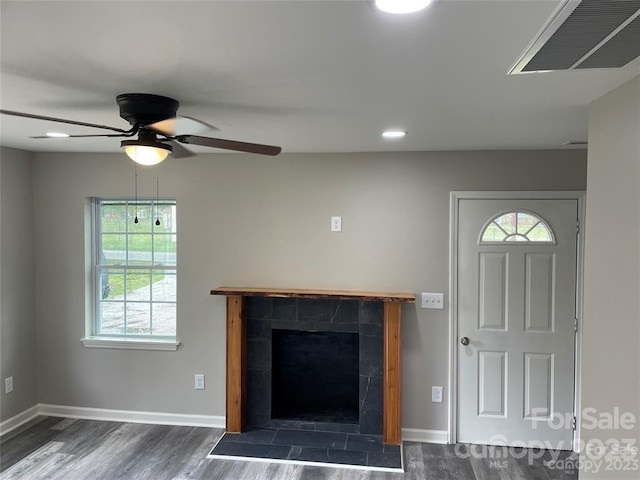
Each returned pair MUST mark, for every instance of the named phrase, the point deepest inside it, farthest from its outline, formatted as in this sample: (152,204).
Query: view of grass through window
(136,271)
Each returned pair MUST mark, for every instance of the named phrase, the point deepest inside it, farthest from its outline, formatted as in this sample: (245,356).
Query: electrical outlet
(436,394)
(433,300)
(8,385)
(336,224)
(199,381)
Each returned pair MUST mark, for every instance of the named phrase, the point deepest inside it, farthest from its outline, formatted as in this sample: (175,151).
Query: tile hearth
(318,447)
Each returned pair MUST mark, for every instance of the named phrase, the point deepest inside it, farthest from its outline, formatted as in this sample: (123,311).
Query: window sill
(131,343)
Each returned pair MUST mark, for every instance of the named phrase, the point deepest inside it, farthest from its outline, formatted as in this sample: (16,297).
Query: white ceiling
(309,76)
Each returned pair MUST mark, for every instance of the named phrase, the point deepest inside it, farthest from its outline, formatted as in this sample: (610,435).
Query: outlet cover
(336,224)
(436,394)
(199,381)
(8,385)
(433,300)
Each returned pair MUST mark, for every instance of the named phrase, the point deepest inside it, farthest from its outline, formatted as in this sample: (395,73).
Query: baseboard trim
(18,420)
(156,418)
(160,418)
(426,436)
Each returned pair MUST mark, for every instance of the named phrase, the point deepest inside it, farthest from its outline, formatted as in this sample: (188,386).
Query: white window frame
(96,339)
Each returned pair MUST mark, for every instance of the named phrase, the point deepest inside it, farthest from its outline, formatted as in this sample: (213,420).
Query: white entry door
(516,321)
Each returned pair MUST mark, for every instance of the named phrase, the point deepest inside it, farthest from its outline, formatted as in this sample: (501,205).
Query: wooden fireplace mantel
(392,348)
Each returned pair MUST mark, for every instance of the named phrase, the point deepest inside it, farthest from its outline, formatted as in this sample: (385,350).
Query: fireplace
(248,341)
(314,376)
(314,362)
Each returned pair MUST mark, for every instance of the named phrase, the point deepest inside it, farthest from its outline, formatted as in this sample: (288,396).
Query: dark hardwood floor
(57,449)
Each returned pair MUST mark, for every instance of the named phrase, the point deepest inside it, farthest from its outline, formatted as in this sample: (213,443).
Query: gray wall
(611,334)
(256,221)
(17,297)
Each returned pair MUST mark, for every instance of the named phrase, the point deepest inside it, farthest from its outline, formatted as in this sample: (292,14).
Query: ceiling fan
(152,119)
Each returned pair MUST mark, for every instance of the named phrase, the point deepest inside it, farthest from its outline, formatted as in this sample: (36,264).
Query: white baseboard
(86,413)
(426,436)
(20,419)
(158,418)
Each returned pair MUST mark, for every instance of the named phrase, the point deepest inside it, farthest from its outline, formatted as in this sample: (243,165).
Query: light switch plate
(433,300)
(8,385)
(436,394)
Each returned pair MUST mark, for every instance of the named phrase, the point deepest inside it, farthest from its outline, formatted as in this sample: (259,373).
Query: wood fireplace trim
(392,353)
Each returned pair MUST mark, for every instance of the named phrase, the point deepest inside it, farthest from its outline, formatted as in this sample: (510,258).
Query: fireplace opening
(315,376)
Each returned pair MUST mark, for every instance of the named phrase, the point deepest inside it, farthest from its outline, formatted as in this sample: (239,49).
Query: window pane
(164,249)
(167,216)
(516,238)
(540,233)
(525,222)
(508,222)
(138,285)
(140,249)
(164,319)
(138,318)
(493,233)
(114,217)
(164,286)
(104,288)
(114,248)
(143,212)
(112,318)
(114,278)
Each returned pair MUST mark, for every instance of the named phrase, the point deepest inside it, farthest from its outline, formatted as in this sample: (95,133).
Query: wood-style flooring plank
(55,449)
(20,444)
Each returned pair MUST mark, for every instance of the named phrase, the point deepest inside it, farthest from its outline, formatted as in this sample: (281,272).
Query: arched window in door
(517,227)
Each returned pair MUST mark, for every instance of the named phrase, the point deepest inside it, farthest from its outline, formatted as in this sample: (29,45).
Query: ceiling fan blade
(87,136)
(180,124)
(179,151)
(229,144)
(62,120)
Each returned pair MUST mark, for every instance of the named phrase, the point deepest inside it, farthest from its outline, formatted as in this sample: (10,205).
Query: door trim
(454,205)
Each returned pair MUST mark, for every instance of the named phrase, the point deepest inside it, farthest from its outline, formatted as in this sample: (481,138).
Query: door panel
(539,292)
(492,381)
(516,304)
(538,385)
(493,281)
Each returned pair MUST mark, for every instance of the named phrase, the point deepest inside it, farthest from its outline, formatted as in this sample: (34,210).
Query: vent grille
(595,34)
(618,51)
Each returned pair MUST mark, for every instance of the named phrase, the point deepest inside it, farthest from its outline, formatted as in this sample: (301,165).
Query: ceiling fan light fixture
(402,6)
(146,150)
(57,135)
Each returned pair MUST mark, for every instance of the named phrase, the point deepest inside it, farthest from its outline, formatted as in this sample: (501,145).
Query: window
(517,227)
(135,270)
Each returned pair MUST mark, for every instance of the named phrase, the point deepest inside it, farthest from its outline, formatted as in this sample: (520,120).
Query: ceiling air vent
(585,34)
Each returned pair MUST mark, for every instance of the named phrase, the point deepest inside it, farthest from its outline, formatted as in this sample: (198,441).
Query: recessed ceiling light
(394,133)
(402,6)
(56,135)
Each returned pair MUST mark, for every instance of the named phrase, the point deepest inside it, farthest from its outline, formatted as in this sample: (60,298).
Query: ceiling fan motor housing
(146,109)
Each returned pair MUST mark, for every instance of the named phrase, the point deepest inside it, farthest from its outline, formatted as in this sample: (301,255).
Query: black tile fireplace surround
(317,330)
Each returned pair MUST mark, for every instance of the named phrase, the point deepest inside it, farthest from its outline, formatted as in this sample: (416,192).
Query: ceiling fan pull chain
(157,194)
(135,170)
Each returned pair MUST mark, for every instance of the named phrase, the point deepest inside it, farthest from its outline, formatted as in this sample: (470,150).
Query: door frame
(454,206)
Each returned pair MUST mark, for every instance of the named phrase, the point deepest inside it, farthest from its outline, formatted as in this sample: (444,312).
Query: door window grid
(517,227)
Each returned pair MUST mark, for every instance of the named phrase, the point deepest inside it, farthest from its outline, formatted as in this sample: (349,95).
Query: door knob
(464,341)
